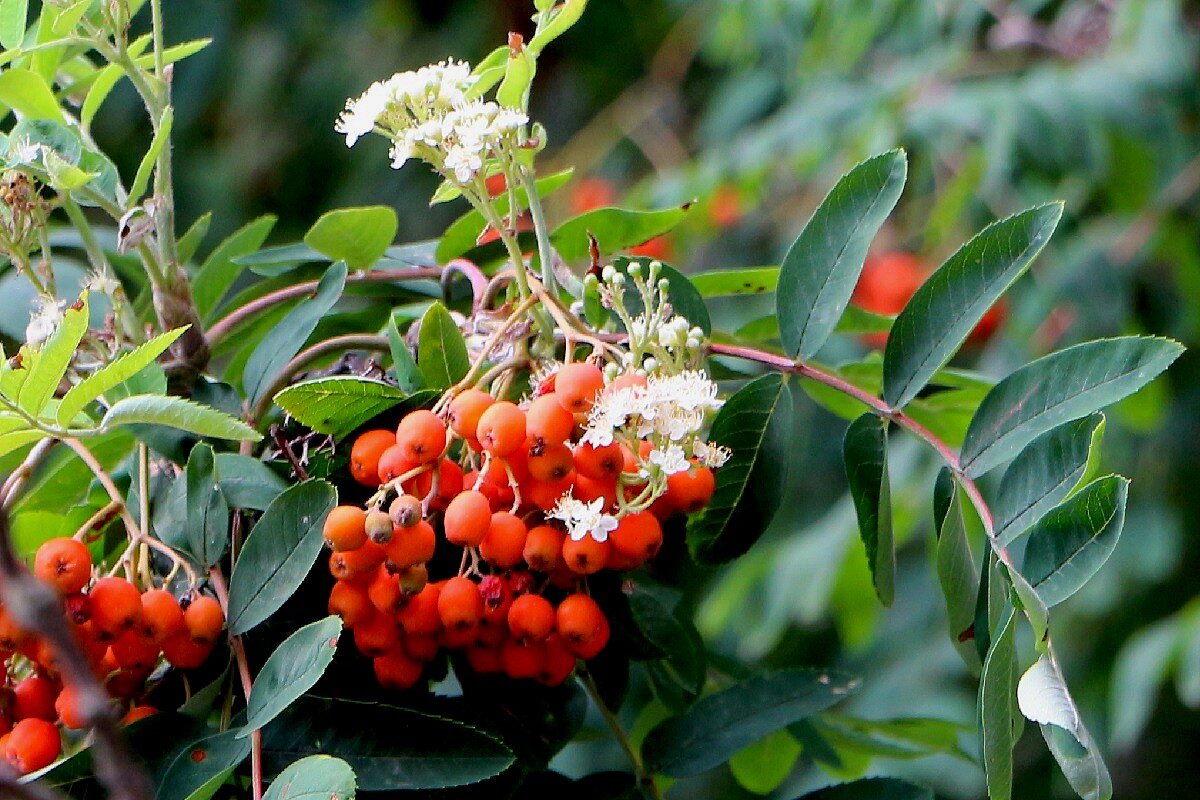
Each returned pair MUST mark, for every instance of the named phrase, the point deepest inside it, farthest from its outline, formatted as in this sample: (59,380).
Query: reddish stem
(217,579)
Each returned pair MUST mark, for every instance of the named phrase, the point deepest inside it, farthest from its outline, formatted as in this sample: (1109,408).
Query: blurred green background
(752,108)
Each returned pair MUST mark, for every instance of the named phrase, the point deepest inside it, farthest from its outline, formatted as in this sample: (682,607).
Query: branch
(217,579)
(37,608)
(114,493)
(644,778)
(351,341)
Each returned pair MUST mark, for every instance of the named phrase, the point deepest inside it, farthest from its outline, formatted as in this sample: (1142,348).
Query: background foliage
(1001,106)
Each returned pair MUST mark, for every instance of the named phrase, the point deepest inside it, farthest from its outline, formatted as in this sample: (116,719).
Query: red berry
(65,564)
(365,455)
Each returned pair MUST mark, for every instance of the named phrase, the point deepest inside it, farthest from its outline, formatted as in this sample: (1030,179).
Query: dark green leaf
(388,748)
(1058,388)
(721,724)
(441,350)
(615,229)
(685,664)
(314,778)
(207,512)
(865,452)
(272,261)
(685,300)
(872,789)
(358,236)
(818,273)
(1044,473)
(219,271)
(278,553)
(944,310)
(755,424)
(285,340)
(339,404)
(203,765)
(408,374)
(956,570)
(1070,544)
(175,412)
(293,669)
(247,482)
(998,709)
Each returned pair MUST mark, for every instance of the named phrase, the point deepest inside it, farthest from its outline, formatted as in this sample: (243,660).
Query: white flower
(22,151)
(45,319)
(465,163)
(583,519)
(671,460)
(709,454)
(611,411)
(361,114)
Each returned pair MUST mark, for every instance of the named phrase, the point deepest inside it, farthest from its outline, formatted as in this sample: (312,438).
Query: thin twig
(106,481)
(644,778)
(15,482)
(217,579)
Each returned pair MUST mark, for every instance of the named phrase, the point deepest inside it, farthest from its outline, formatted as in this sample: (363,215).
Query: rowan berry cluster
(575,478)
(124,631)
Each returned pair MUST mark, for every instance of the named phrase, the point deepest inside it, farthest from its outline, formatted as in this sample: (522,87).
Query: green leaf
(518,75)
(112,375)
(13,14)
(27,92)
(865,453)
(1043,697)
(184,415)
(53,358)
(944,310)
(190,241)
(314,778)
(998,710)
(141,180)
(202,767)
(247,482)
(1070,544)
(1053,466)
(683,297)
(735,282)
(293,669)
(272,261)
(284,341)
(1058,388)
(441,350)
(408,374)
(358,236)
(872,789)
(568,14)
(219,271)
(462,234)
(207,512)
(339,404)
(755,424)
(432,753)
(684,665)
(278,553)
(762,766)
(721,724)
(956,570)
(820,269)
(615,229)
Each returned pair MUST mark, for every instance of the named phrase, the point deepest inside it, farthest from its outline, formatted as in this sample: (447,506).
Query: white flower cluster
(583,519)
(671,408)
(429,114)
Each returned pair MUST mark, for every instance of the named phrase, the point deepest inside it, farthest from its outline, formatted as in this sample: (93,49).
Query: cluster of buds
(125,631)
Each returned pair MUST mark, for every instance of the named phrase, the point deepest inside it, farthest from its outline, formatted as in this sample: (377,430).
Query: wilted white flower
(583,519)
(45,319)
(709,454)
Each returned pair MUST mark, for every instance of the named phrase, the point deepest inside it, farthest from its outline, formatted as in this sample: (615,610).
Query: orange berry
(413,579)
(116,605)
(32,744)
(421,436)
(637,535)
(396,670)
(461,637)
(578,619)
(504,541)
(501,428)
(365,455)
(376,635)
(547,422)
(559,662)
(450,483)
(543,494)
(591,648)
(65,564)
(411,546)
(585,556)
(543,548)
(422,648)
(137,713)
(620,562)
(691,490)
(357,566)
(420,616)
(346,528)
(384,592)
(12,635)
(550,463)
(204,619)
(885,285)
(68,711)
(659,247)
(465,411)
(522,660)
(350,602)
(627,380)
(460,605)
(589,489)
(182,652)
(33,698)
(576,386)
(467,519)
(600,463)
(484,660)
(134,650)
(989,323)
(126,682)
(499,496)
(725,206)
(394,463)
(531,618)
(162,616)
(591,193)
